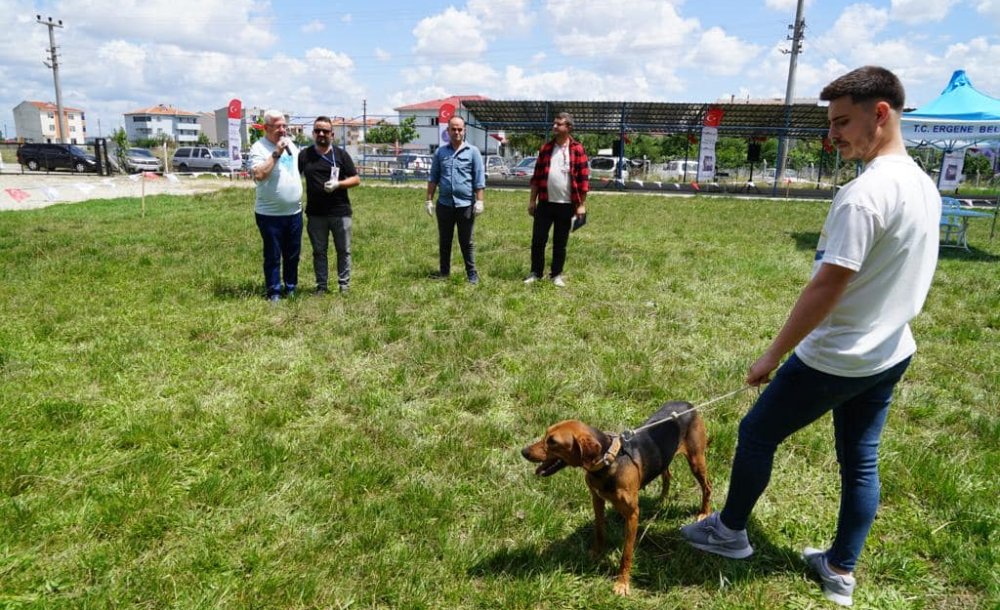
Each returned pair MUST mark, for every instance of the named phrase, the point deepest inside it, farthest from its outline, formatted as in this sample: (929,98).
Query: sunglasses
(321,131)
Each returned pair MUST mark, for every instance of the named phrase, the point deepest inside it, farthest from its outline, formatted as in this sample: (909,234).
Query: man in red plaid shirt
(558,195)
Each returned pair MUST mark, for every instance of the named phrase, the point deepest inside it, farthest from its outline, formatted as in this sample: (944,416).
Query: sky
(310,57)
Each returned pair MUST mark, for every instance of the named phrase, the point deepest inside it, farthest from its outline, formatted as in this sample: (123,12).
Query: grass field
(170,440)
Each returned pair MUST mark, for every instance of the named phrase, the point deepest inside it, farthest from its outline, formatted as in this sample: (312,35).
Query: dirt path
(37,190)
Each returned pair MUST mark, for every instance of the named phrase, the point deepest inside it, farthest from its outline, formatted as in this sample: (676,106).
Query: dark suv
(56,156)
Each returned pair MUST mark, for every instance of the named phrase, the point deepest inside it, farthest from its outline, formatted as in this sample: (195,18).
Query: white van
(683,170)
(604,167)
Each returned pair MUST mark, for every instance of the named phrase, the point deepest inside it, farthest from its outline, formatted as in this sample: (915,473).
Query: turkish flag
(235,109)
(445,112)
(713,117)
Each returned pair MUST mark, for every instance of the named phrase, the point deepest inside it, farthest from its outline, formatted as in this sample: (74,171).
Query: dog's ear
(590,451)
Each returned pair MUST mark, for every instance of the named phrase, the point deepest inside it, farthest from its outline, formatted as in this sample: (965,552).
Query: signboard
(706,152)
(235,141)
(951,170)
(445,112)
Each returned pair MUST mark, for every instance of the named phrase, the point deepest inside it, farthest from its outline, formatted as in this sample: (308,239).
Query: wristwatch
(276,155)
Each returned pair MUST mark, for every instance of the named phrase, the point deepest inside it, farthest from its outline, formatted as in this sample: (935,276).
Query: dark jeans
(547,215)
(447,219)
(282,237)
(798,396)
(319,229)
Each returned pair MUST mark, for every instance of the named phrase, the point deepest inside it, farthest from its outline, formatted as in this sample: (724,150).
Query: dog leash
(627,435)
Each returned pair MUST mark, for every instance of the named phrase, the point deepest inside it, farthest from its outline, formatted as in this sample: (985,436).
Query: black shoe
(320,291)
(473,278)
(437,275)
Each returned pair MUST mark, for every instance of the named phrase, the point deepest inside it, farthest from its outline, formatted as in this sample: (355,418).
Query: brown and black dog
(617,469)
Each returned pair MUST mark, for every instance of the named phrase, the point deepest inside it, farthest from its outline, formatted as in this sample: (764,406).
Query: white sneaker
(838,588)
(559,281)
(531,279)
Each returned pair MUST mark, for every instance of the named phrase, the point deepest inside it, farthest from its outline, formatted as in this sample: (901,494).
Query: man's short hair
(867,84)
(323,119)
(457,117)
(565,116)
(273,115)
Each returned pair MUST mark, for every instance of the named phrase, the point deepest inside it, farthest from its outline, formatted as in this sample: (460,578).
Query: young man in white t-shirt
(849,329)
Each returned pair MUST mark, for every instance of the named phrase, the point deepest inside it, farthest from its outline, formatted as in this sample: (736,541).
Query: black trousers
(549,215)
(447,219)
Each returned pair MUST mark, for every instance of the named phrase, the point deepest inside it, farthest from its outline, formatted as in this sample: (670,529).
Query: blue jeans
(282,237)
(798,396)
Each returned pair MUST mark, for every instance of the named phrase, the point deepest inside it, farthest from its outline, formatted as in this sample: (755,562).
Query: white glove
(331,185)
(430,207)
(478,207)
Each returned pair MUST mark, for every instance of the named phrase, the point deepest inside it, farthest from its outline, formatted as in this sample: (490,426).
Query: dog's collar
(609,456)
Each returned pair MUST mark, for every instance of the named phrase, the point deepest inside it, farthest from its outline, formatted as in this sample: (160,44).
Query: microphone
(288,144)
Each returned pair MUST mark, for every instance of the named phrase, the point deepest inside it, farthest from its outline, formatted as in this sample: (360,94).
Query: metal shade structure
(738,120)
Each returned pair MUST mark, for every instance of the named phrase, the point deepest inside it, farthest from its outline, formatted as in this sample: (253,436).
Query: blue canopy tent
(958,118)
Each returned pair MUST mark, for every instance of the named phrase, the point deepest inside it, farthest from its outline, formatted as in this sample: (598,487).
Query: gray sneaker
(559,281)
(837,588)
(712,536)
(531,279)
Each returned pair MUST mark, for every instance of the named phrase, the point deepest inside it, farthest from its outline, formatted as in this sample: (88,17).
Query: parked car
(141,160)
(200,158)
(604,167)
(414,165)
(680,169)
(496,166)
(56,156)
(524,168)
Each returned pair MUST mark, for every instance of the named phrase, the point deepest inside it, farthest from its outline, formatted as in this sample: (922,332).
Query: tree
(387,133)
(120,141)
(203,139)
(526,143)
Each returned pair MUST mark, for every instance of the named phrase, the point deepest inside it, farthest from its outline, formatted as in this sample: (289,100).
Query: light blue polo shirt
(281,193)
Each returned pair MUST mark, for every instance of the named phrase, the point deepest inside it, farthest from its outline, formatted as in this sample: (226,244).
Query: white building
(181,126)
(429,133)
(36,122)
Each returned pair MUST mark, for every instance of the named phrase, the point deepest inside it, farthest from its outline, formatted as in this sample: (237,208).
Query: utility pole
(364,129)
(54,57)
(798,33)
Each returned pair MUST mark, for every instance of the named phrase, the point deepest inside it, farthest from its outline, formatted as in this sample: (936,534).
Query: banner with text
(706,152)
(445,112)
(951,170)
(235,141)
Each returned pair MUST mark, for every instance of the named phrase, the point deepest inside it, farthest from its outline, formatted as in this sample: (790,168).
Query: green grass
(170,440)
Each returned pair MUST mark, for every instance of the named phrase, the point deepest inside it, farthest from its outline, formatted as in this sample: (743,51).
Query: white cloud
(313,26)
(920,11)
(347,18)
(452,34)
(502,16)
(382,55)
(246,22)
(721,54)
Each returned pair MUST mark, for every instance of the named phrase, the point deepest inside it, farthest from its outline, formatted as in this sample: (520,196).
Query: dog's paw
(622,588)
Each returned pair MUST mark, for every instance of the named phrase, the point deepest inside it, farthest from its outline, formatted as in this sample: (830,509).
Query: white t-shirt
(884,226)
(558,179)
(281,193)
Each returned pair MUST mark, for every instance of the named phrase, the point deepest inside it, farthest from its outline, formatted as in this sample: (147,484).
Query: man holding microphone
(278,205)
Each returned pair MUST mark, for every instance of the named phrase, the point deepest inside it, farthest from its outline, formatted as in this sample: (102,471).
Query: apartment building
(181,126)
(36,122)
